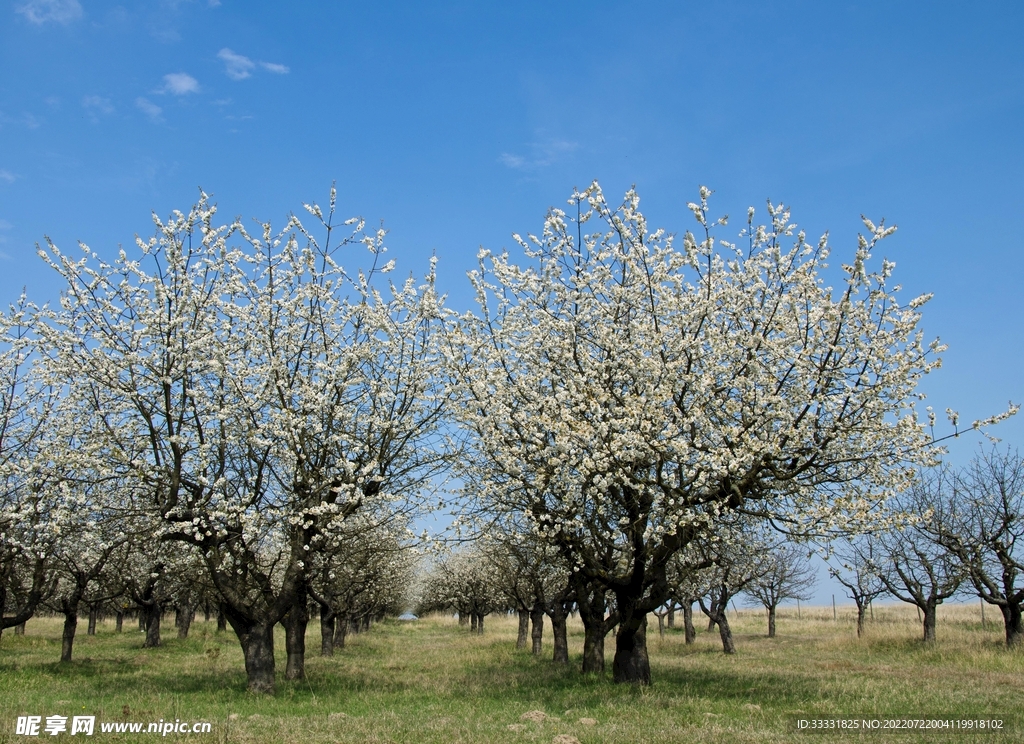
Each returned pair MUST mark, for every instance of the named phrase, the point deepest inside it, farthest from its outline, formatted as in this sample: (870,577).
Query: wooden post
(834,618)
(982,612)
(798,609)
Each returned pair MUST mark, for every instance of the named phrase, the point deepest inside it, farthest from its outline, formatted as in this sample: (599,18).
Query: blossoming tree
(624,392)
(30,520)
(363,572)
(259,392)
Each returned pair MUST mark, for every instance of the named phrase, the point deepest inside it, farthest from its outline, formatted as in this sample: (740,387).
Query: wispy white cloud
(165,34)
(6,175)
(180,84)
(43,11)
(542,153)
(239,67)
(25,119)
(236,66)
(166,19)
(150,109)
(274,67)
(96,106)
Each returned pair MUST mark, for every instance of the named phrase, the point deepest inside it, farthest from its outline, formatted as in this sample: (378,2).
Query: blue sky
(458,124)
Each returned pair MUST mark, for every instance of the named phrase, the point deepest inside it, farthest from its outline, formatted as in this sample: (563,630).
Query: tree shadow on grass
(528,678)
(124,674)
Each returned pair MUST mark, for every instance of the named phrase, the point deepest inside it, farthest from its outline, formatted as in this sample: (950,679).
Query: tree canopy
(624,391)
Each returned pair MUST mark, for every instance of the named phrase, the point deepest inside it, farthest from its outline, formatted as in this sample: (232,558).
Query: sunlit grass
(431,681)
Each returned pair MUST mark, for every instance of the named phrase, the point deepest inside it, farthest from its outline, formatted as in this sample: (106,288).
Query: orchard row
(260,416)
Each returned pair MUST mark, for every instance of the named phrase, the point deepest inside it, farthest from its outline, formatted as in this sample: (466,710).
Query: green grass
(430,681)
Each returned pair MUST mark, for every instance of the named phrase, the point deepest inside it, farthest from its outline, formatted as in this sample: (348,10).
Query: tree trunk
(480,623)
(860,618)
(94,614)
(631,663)
(258,647)
(183,620)
(142,619)
(295,623)
(340,629)
(153,614)
(1013,624)
(41,586)
(559,636)
(326,633)
(463,619)
(930,613)
(689,631)
(222,620)
(67,638)
(592,604)
(725,633)
(672,615)
(593,648)
(119,622)
(537,619)
(472,622)
(771,621)
(20,629)
(524,628)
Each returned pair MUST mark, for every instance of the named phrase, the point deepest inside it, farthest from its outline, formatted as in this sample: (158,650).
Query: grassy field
(430,681)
